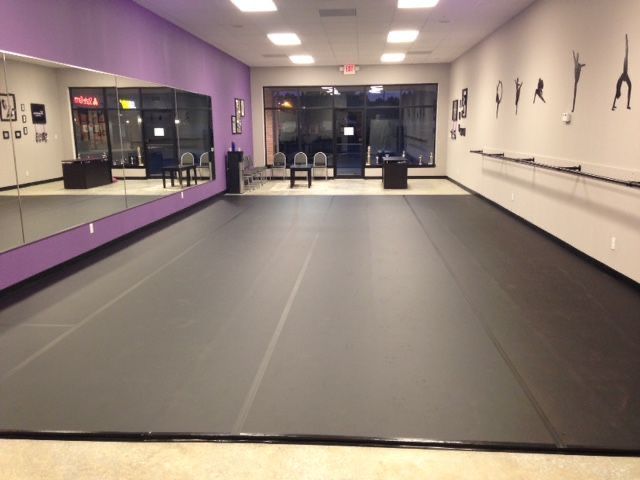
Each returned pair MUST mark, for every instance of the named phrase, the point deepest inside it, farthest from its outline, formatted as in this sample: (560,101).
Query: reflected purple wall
(120,37)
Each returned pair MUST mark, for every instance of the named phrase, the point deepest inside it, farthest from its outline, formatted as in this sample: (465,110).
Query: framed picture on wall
(38,114)
(454,111)
(238,125)
(8,107)
(25,131)
(463,103)
(242,107)
(6,135)
(234,125)
(18,134)
(24,119)
(237,107)
(22,107)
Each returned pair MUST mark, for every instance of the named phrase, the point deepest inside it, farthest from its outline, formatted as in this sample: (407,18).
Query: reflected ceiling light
(392,57)
(286,104)
(417,3)
(301,59)
(255,5)
(284,38)
(376,89)
(402,36)
(177,121)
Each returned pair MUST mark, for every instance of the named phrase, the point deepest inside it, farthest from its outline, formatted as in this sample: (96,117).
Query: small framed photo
(238,125)
(22,107)
(234,125)
(18,134)
(242,107)
(8,107)
(463,103)
(454,111)
(6,135)
(25,131)
(24,119)
(237,107)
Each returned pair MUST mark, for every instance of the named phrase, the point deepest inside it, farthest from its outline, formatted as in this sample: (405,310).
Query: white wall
(367,75)
(539,43)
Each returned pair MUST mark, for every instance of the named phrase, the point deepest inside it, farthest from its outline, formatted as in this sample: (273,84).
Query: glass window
(381,96)
(317,97)
(158,98)
(281,98)
(128,99)
(346,97)
(418,134)
(384,132)
(194,131)
(316,132)
(419,95)
(90,129)
(127,148)
(188,100)
(281,127)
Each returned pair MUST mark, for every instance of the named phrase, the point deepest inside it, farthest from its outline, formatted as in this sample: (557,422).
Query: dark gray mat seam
(501,351)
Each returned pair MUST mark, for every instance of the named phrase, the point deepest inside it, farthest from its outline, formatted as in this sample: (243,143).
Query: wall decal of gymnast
(539,91)
(624,78)
(577,69)
(499,91)
(518,88)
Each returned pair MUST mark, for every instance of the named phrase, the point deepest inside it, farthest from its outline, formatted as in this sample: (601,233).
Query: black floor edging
(320,440)
(594,261)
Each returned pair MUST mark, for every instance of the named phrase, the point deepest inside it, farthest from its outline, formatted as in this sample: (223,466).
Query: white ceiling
(446,31)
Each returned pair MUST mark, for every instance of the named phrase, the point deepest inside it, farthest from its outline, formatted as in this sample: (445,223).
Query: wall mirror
(80,145)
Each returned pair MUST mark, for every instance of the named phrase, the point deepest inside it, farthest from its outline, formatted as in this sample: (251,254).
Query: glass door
(349,143)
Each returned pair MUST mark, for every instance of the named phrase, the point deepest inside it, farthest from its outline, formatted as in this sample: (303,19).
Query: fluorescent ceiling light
(392,57)
(417,3)
(284,38)
(301,59)
(255,5)
(402,36)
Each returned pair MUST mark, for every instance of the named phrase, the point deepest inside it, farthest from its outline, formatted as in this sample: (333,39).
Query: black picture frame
(24,119)
(464,102)
(25,130)
(6,135)
(8,107)
(242,107)
(22,107)
(18,134)
(238,125)
(454,111)
(38,114)
(237,106)
(234,125)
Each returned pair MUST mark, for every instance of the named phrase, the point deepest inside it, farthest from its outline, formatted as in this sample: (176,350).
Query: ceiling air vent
(274,55)
(420,52)
(337,12)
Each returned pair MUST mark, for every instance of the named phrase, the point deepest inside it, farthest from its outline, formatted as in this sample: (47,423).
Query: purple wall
(120,37)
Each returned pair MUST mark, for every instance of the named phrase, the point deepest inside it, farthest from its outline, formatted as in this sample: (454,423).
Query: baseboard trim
(30,184)
(594,261)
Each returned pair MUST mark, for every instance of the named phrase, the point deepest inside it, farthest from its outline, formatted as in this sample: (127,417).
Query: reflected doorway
(349,143)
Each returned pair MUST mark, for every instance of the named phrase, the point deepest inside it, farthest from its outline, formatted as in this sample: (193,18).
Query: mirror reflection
(79,145)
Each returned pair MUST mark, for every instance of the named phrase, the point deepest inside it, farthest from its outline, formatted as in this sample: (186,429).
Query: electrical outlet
(614,241)
(91,229)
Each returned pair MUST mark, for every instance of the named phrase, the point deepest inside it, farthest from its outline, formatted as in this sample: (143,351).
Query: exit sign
(349,69)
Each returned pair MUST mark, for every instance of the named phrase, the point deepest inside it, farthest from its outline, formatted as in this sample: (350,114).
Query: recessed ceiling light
(255,5)
(301,59)
(284,38)
(417,3)
(402,36)
(392,57)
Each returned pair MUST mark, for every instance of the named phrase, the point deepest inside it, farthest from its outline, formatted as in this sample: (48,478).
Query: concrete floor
(52,460)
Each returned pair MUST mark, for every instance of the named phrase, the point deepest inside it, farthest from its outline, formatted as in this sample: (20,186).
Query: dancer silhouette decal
(539,91)
(624,78)
(499,89)
(518,88)
(577,71)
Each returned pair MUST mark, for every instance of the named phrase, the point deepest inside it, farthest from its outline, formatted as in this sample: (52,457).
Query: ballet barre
(573,170)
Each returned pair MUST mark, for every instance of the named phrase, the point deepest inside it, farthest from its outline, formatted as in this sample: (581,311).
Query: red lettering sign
(349,69)
(86,101)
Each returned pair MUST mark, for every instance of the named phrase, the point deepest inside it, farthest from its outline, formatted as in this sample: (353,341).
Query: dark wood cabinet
(86,173)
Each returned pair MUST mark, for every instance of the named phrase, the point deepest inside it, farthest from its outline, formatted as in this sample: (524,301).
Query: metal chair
(187,159)
(205,163)
(320,163)
(279,163)
(300,159)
